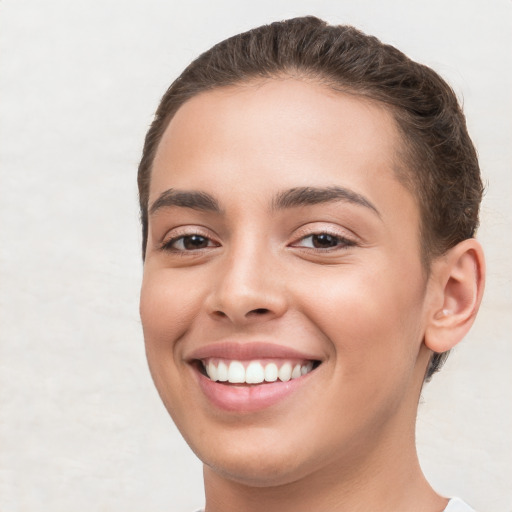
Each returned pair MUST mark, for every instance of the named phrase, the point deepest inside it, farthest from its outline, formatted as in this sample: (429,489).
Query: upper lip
(243,351)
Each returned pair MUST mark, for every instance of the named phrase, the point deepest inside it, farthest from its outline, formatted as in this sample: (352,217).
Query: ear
(456,286)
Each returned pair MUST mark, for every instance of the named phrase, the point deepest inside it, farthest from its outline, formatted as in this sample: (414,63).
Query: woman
(309,198)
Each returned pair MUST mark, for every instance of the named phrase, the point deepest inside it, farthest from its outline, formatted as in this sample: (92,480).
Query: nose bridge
(248,284)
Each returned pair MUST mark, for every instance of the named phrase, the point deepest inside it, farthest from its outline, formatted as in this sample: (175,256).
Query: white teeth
(285,372)
(296,372)
(271,372)
(212,371)
(254,372)
(236,372)
(222,372)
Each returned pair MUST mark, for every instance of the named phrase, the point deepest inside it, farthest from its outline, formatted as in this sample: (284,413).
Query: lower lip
(248,398)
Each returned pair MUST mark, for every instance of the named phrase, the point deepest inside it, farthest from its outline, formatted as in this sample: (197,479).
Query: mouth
(250,377)
(254,372)
(249,386)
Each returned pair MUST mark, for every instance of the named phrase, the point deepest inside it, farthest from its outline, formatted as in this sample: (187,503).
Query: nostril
(259,311)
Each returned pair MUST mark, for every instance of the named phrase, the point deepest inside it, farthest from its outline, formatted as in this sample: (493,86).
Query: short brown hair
(439,161)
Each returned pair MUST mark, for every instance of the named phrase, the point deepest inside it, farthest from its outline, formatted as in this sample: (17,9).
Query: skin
(365,307)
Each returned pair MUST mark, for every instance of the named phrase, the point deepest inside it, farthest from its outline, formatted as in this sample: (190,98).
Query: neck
(389,484)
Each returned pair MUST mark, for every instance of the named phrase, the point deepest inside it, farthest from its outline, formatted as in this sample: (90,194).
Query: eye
(192,242)
(323,241)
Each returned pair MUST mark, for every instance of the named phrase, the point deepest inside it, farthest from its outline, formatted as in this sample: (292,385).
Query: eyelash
(169,244)
(339,243)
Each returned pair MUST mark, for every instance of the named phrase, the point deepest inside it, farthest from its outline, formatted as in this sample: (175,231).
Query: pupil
(195,242)
(324,240)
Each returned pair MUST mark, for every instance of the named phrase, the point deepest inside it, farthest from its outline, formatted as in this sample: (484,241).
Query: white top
(457,505)
(454,505)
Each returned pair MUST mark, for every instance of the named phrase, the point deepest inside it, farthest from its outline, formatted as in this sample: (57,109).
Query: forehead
(277,134)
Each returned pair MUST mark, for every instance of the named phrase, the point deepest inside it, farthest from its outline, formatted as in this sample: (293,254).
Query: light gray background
(81,427)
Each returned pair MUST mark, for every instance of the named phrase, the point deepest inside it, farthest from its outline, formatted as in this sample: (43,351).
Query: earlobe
(458,279)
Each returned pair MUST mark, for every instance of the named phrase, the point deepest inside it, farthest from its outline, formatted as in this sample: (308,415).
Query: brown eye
(195,242)
(189,243)
(324,241)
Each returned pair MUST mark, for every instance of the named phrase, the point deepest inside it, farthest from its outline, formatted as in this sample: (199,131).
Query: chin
(259,471)
(257,459)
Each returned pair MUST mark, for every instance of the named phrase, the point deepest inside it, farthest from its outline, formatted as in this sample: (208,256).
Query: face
(284,256)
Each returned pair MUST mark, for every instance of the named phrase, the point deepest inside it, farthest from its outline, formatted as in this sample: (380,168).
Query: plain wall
(81,427)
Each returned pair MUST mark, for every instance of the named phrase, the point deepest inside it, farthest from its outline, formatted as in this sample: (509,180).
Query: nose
(248,288)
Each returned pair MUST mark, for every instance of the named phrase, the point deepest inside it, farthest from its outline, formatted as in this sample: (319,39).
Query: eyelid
(344,244)
(318,228)
(179,232)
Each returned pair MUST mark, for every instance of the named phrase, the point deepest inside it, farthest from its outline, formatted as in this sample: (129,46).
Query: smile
(256,371)
(249,377)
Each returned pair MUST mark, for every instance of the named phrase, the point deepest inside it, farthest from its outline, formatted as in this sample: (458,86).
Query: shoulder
(457,505)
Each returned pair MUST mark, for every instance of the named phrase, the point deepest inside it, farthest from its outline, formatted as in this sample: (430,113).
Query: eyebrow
(185,199)
(306,196)
(291,198)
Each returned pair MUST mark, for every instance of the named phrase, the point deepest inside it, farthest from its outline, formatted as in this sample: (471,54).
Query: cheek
(372,319)
(374,329)
(166,313)
(167,309)
(167,305)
